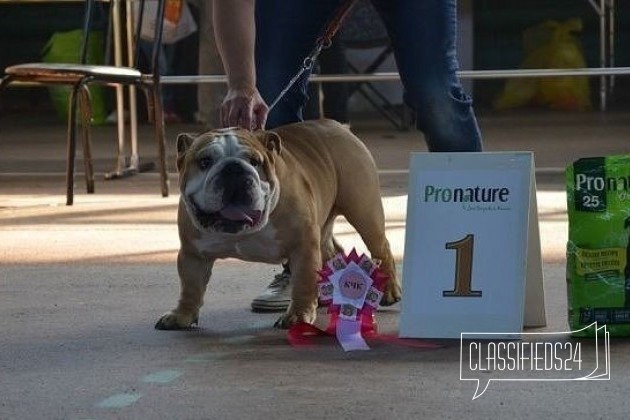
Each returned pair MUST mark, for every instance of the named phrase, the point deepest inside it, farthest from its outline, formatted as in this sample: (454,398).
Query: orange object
(173,10)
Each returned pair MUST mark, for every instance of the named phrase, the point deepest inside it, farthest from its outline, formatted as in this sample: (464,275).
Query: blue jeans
(423,35)
(166,57)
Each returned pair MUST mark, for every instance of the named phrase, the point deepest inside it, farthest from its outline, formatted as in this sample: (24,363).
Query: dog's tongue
(240,214)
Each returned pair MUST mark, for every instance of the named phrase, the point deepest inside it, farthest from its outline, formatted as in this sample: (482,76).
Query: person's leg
(284,37)
(167,60)
(423,34)
(333,61)
(209,95)
(311,109)
(334,96)
(165,57)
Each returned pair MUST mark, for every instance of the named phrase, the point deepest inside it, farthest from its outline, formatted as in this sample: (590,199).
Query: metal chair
(362,30)
(80,75)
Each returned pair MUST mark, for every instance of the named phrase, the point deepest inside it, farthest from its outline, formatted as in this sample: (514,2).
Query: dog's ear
(184,140)
(272,142)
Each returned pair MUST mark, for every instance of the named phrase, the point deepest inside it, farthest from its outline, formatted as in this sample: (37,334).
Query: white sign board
(466,250)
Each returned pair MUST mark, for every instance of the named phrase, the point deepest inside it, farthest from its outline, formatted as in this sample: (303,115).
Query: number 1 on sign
(463,268)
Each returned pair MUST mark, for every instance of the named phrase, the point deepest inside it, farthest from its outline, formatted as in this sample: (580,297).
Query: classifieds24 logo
(548,356)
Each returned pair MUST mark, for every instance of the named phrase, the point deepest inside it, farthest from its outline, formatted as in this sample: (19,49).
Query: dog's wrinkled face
(227,179)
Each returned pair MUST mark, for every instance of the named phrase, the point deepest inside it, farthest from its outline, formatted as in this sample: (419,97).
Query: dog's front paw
(293,317)
(392,293)
(176,321)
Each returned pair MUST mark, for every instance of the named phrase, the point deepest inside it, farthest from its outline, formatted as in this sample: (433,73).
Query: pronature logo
(440,194)
(601,183)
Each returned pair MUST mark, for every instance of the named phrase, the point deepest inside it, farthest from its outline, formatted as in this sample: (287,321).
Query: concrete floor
(81,286)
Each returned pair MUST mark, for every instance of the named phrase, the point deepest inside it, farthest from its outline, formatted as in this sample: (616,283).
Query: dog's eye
(254,161)
(204,163)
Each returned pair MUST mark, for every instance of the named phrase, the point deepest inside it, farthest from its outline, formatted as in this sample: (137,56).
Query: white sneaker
(277,296)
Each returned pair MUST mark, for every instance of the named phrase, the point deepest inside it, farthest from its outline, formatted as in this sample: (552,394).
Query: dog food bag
(598,249)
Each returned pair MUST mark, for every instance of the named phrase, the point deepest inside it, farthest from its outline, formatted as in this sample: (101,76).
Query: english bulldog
(272,197)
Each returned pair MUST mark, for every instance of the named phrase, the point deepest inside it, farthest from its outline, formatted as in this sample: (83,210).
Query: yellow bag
(551,45)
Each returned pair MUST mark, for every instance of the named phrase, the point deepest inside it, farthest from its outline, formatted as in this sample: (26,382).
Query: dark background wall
(498,28)
(26,28)
(24,31)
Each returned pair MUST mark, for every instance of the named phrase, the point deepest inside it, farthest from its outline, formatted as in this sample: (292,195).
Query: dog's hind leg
(304,261)
(369,222)
(329,244)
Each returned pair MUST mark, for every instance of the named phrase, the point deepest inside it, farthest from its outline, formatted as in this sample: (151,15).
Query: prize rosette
(351,286)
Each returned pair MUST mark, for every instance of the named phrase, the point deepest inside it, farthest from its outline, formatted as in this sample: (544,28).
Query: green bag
(64,47)
(598,249)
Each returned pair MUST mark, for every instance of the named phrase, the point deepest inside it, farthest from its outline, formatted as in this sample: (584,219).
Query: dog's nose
(233,169)
(236,185)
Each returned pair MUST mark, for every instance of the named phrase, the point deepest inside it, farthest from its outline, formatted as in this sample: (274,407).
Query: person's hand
(244,108)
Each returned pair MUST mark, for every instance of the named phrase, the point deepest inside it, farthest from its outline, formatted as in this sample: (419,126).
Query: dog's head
(227,179)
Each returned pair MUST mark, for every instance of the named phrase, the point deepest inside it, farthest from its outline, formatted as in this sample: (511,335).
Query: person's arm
(235,32)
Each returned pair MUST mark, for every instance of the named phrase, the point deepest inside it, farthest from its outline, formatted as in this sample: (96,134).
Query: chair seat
(80,77)
(68,72)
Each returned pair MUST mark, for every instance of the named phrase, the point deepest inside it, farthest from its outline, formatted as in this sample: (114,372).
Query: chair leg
(86,124)
(72,123)
(149,96)
(5,82)
(160,136)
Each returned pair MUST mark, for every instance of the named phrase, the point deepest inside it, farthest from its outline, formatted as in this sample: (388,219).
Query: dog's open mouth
(231,218)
